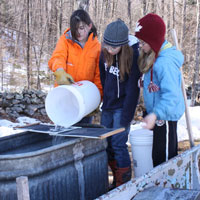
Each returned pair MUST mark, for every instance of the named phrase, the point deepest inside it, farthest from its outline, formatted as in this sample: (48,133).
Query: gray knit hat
(116,34)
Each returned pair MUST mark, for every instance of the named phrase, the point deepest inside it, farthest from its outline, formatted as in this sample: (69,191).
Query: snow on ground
(7,127)
(194,113)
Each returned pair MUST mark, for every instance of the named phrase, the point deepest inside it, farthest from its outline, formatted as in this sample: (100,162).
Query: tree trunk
(173,15)
(2,64)
(83,4)
(168,18)
(28,46)
(19,28)
(129,14)
(144,7)
(102,17)
(115,2)
(153,6)
(183,25)
(61,16)
(196,70)
(2,74)
(163,8)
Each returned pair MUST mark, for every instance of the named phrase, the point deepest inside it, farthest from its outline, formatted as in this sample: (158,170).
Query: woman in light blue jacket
(160,64)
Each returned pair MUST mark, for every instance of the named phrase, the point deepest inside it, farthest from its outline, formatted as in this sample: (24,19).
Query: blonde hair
(146,60)
(125,60)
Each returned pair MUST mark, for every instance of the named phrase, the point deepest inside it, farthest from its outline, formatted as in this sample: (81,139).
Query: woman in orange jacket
(76,56)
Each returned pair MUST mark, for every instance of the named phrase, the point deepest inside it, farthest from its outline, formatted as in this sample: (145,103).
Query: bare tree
(144,7)
(114,7)
(183,24)
(38,51)
(101,20)
(168,18)
(83,4)
(173,15)
(163,8)
(32,28)
(19,26)
(59,17)
(28,45)
(2,64)
(129,13)
(153,6)
(196,70)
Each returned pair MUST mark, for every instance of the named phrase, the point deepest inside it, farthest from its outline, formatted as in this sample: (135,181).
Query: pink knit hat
(151,29)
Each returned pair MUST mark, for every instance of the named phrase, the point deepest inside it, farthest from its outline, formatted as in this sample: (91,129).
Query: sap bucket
(141,146)
(68,104)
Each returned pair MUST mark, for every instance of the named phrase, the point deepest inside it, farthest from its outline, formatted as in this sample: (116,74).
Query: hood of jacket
(132,40)
(171,53)
(68,36)
(167,103)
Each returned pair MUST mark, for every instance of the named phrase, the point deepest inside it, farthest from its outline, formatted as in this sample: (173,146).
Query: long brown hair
(146,60)
(125,60)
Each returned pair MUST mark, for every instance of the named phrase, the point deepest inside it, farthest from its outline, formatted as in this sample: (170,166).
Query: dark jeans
(117,147)
(159,142)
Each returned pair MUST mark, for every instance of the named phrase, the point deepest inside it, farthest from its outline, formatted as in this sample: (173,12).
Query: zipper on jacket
(117,76)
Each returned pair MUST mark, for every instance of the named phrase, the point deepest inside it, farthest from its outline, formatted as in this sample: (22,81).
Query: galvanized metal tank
(58,168)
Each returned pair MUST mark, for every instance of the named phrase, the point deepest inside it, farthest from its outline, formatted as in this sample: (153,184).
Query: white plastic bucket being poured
(141,145)
(68,104)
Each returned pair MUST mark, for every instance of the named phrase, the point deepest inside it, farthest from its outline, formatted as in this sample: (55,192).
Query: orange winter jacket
(80,63)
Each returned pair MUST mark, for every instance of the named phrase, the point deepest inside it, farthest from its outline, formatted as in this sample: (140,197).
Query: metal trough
(58,168)
(181,172)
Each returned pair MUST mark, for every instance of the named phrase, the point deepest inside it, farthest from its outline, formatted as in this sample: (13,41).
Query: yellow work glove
(63,78)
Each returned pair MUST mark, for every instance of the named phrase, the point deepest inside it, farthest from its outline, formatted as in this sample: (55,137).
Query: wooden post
(187,115)
(22,188)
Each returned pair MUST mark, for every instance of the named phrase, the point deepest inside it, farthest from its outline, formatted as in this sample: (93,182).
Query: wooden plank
(95,133)
(22,188)
(119,130)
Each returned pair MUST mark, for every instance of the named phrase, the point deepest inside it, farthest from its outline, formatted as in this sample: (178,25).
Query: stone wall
(29,103)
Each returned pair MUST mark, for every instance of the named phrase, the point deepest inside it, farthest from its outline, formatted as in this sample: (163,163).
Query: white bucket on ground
(141,145)
(68,104)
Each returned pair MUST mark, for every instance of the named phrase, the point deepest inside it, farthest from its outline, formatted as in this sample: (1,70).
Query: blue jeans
(117,147)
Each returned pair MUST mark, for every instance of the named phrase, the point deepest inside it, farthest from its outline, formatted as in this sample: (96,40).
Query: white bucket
(68,104)
(141,145)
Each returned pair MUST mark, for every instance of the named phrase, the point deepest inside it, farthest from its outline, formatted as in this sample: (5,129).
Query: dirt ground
(185,145)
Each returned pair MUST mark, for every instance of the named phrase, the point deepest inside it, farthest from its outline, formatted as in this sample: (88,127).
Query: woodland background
(29,31)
